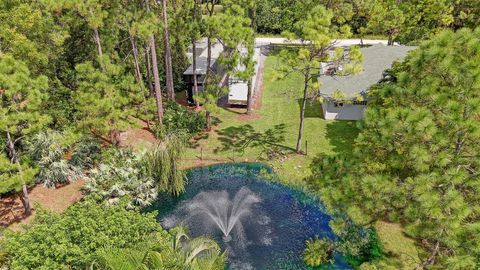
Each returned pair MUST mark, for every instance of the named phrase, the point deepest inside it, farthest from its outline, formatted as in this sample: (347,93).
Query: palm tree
(181,253)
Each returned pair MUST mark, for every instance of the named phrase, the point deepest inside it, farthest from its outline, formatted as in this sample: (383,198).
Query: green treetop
(315,33)
(14,176)
(102,98)
(416,159)
(21,100)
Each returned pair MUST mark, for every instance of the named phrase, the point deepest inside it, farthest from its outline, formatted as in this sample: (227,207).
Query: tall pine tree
(416,159)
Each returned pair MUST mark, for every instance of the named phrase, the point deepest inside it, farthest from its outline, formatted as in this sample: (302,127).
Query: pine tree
(416,159)
(102,98)
(156,76)
(21,99)
(315,31)
(168,52)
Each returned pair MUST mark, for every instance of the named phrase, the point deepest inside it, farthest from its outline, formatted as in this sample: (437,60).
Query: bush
(369,252)
(86,153)
(48,150)
(356,243)
(71,240)
(122,174)
(139,177)
(180,120)
(318,252)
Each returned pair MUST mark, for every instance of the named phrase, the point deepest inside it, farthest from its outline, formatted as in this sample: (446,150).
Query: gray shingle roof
(377,59)
(217,49)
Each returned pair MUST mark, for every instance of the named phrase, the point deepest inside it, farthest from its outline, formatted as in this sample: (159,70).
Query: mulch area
(137,136)
(56,200)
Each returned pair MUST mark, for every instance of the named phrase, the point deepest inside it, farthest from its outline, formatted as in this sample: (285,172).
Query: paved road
(339,42)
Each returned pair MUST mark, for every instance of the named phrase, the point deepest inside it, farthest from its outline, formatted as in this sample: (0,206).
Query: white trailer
(238,89)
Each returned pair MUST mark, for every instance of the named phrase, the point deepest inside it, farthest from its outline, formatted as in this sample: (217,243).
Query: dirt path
(56,200)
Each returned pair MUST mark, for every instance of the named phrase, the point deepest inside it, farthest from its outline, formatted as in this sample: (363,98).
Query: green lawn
(275,127)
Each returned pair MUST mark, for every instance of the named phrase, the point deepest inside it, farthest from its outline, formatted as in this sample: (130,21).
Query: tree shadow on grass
(313,109)
(204,135)
(342,135)
(240,138)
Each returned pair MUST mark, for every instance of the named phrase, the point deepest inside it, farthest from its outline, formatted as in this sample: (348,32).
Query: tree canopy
(416,158)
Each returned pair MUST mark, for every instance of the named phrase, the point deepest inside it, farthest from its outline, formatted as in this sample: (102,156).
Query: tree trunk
(149,69)
(253,17)
(14,159)
(249,97)
(194,59)
(208,117)
(211,9)
(96,38)
(390,39)
(195,79)
(12,153)
(138,76)
(26,200)
(209,59)
(156,76)
(168,53)
(302,114)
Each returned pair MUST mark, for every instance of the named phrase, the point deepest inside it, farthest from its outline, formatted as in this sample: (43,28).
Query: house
(353,88)
(237,88)
(201,68)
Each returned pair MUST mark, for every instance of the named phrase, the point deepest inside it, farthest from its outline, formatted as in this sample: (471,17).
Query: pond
(261,224)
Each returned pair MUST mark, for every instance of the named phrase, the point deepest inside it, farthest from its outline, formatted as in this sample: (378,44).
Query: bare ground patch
(56,200)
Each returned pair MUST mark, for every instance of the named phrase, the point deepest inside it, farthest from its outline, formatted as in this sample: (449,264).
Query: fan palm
(48,150)
(181,253)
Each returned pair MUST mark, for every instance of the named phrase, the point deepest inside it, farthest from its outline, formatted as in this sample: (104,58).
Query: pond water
(261,224)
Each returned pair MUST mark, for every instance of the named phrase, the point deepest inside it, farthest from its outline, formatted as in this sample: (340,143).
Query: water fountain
(260,224)
(226,214)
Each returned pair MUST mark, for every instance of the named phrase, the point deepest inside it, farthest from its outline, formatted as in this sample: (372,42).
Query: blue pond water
(274,234)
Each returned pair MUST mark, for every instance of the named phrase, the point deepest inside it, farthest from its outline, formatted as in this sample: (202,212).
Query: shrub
(178,119)
(318,252)
(122,174)
(86,153)
(47,150)
(139,177)
(71,240)
(358,244)
(162,164)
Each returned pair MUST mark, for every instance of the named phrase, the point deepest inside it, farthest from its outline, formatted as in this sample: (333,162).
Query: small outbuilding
(201,67)
(237,88)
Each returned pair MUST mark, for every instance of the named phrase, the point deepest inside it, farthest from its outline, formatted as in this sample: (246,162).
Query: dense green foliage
(318,252)
(180,120)
(182,253)
(140,177)
(357,244)
(103,98)
(72,239)
(47,150)
(13,176)
(407,21)
(416,158)
(92,236)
